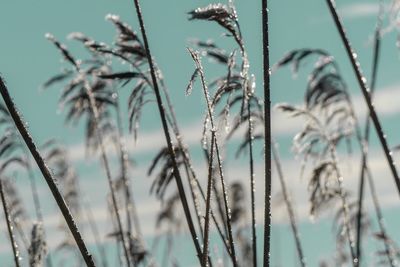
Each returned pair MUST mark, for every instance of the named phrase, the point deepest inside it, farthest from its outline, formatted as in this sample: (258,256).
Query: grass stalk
(196,59)
(345,205)
(375,61)
(208,201)
(130,205)
(365,91)
(107,169)
(289,206)
(190,173)
(161,109)
(9,227)
(252,186)
(96,233)
(267,133)
(46,174)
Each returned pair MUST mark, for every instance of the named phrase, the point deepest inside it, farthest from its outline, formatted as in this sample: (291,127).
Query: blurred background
(28,59)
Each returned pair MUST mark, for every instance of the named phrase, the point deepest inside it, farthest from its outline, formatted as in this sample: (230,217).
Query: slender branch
(289,206)
(252,185)
(196,59)
(375,61)
(160,105)
(379,215)
(365,91)
(46,174)
(9,227)
(267,134)
(96,233)
(345,205)
(100,141)
(190,173)
(208,201)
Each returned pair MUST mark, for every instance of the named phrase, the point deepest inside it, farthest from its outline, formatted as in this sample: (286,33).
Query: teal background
(27,59)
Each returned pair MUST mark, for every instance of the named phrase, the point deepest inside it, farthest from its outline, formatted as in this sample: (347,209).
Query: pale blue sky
(27,59)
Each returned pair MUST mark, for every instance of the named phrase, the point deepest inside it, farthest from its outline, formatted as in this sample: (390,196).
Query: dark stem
(252,185)
(100,141)
(208,201)
(375,61)
(379,215)
(35,194)
(289,205)
(365,91)
(267,134)
(196,59)
(9,227)
(161,110)
(46,174)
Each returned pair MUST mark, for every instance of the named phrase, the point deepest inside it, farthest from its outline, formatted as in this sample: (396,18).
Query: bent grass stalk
(161,110)
(46,174)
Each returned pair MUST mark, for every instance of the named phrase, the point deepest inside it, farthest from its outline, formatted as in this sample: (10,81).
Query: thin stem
(252,185)
(190,173)
(35,194)
(289,205)
(345,206)
(267,134)
(375,61)
(46,174)
(208,201)
(100,141)
(196,59)
(96,233)
(130,205)
(365,91)
(161,109)
(9,227)
(388,251)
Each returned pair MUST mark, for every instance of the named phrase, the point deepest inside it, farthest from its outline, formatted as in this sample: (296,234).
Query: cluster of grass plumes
(218,212)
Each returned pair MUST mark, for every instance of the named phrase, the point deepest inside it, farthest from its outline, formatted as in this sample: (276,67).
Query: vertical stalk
(345,205)
(96,234)
(9,227)
(107,169)
(267,134)
(289,205)
(208,201)
(35,194)
(46,174)
(364,168)
(252,186)
(365,91)
(196,59)
(190,173)
(130,205)
(161,110)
